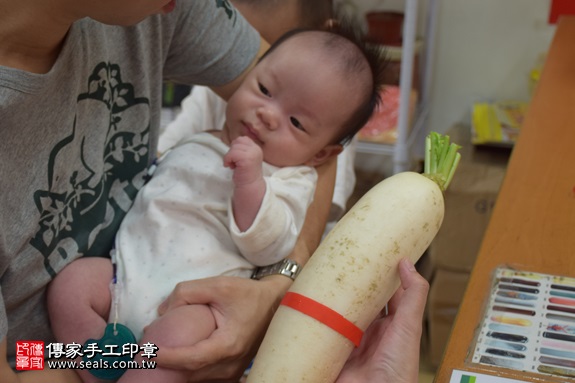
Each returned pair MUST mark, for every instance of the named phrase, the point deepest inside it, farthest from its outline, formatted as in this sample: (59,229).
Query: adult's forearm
(317,214)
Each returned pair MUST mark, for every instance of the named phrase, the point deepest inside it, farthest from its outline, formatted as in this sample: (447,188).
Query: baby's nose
(269,117)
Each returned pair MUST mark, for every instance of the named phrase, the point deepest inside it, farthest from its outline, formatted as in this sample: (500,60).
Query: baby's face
(293,104)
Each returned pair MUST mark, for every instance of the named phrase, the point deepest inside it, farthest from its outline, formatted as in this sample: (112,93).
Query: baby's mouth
(251,133)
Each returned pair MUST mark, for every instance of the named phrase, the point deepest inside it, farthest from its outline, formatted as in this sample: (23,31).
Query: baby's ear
(325,154)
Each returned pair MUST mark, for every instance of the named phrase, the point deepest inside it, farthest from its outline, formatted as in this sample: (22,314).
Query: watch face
(285,267)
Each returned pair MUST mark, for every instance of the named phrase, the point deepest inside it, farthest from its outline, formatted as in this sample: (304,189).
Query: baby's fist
(245,157)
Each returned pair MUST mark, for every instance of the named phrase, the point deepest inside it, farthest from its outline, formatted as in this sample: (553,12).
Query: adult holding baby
(80,89)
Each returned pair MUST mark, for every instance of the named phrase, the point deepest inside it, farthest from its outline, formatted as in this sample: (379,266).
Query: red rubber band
(325,315)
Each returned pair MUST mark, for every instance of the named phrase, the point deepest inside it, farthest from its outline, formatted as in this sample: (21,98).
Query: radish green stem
(441,159)
(427,161)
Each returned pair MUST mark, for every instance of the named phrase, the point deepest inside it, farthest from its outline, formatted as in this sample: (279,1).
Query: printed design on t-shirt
(228,8)
(85,201)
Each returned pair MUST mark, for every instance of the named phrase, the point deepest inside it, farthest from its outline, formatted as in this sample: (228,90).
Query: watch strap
(286,267)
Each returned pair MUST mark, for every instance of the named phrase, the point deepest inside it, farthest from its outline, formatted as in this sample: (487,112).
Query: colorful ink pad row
(529,324)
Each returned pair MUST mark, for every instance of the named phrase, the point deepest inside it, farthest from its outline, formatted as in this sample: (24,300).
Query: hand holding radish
(389,352)
(354,273)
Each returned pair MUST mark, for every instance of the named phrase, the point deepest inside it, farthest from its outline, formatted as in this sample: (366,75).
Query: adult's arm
(242,307)
(225,91)
(317,213)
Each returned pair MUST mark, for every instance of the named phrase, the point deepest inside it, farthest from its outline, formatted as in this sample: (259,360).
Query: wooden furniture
(533,225)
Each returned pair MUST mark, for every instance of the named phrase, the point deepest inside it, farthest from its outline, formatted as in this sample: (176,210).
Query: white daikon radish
(354,272)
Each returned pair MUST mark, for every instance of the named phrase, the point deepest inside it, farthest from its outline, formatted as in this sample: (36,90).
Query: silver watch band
(285,267)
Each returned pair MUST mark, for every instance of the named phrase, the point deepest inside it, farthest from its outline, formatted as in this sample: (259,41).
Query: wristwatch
(285,267)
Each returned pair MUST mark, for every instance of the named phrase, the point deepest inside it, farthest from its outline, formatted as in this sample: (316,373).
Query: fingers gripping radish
(353,273)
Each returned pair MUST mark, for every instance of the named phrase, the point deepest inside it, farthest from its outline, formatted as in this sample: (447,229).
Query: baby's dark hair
(343,34)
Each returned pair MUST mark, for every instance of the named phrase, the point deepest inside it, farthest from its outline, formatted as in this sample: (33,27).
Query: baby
(308,96)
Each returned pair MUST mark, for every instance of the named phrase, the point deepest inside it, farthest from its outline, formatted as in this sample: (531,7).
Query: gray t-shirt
(75,143)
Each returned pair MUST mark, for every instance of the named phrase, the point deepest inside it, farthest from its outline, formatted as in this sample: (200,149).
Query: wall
(484,51)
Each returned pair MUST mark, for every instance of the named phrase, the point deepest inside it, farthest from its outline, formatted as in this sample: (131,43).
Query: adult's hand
(242,309)
(389,351)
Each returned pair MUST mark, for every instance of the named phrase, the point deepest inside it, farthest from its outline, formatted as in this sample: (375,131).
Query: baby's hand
(245,158)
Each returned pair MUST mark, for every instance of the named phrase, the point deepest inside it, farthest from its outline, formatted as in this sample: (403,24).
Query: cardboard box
(469,202)
(478,154)
(445,295)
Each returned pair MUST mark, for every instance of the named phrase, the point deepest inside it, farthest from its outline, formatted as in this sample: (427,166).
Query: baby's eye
(264,90)
(294,121)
